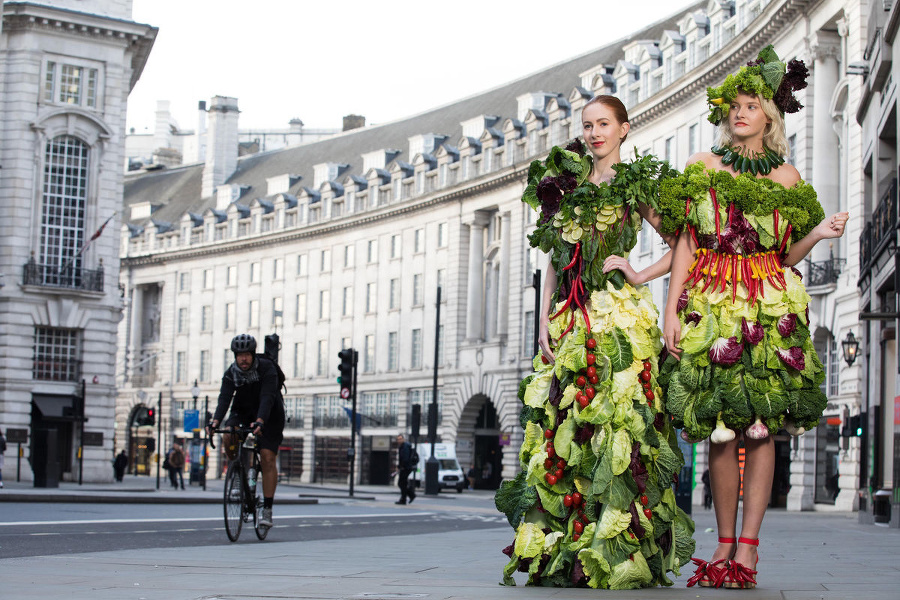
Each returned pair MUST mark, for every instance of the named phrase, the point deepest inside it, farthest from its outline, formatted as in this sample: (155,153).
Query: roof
(177,190)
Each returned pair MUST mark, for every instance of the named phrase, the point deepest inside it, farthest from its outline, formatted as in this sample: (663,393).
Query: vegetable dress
(593,504)
(748,361)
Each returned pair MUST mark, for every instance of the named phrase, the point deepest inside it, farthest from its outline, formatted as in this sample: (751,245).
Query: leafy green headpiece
(767,77)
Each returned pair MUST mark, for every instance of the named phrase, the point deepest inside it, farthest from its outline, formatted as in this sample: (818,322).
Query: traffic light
(146,416)
(345,369)
(151,417)
(854,426)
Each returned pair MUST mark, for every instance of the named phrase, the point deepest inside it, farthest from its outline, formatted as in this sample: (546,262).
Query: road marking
(404,515)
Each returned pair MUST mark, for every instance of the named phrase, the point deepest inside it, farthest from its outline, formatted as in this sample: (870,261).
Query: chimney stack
(354,122)
(221,144)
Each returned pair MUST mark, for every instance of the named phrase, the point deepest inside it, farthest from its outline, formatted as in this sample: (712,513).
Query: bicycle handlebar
(241,429)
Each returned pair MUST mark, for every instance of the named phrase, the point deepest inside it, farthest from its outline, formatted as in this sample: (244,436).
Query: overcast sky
(319,61)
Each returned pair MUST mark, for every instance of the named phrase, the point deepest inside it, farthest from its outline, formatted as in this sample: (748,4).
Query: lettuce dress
(748,360)
(593,505)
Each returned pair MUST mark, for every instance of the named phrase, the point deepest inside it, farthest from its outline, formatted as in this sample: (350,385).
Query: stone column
(803,472)
(137,320)
(503,290)
(825,48)
(475,296)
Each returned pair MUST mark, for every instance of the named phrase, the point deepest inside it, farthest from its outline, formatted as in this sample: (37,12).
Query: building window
(347,302)
(181,324)
(394,299)
(63,207)
(693,143)
(644,236)
(419,241)
(298,359)
(204,365)
(442,235)
(325,261)
(277,311)
(669,155)
(416,344)
(184,282)
(372,251)
(393,361)
(71,84)
(227,358)
(324,304)
(230,316)
(205,318)
(278,269)
(207,279)
(834,365)
(253,321)
(180,367)
(56,354)
(369,354)
(322,359)
(370,297)
(301,265)
(231,276)
(254,272)
(348,256)
(418,299)
(441,273)
(395,246)
(528,334)
(792,150)
(300,309)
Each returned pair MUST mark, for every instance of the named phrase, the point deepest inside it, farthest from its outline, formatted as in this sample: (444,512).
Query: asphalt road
(40,529)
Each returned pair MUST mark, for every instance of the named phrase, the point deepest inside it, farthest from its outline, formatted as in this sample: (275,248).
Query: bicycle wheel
(234,501)
(261,530)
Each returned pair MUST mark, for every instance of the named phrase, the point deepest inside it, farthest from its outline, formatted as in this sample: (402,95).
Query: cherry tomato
(551,451)
(649,395)
(590,392)
(593,379)
(558,473)
(591,343)
(548,464)
(578,396)
(632,535)
(567,500)
(645,500)
(644,376)
(646,385)
(583,401)
(561,463)
(545,360)
(576,537)
(591,359)
(577,498)
(648,513)
(548,434)
(551,479)
(578,526)
(647,365)
(581,381)
(591,371)
(631,557)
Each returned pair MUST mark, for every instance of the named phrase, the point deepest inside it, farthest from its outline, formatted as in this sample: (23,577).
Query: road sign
(345,393)
(191,420)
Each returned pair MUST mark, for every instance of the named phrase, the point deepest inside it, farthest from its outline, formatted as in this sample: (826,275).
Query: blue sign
(191,420)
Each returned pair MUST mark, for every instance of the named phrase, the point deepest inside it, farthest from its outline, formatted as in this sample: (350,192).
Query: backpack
(272,345)
(414,457)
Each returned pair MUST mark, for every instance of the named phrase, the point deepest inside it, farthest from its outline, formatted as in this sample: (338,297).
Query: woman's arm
(657,269)
(550,282)
(832,227)
(681,262)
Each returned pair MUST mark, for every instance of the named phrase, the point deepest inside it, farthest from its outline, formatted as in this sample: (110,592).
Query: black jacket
(404,457)
(252,400)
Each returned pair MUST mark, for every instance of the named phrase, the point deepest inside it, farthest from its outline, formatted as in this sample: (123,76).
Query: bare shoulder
(707,158)
(786,174)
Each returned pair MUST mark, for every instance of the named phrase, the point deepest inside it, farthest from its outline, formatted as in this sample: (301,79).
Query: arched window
(63,211)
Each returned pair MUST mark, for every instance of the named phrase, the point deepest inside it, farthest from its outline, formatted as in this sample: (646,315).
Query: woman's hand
(672,335)
(617,262)
(833,227)
(544,339)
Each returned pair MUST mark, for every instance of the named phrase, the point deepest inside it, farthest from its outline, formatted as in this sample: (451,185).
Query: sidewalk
(804,556)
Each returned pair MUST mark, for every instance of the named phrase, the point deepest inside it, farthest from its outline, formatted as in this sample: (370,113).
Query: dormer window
(72,82)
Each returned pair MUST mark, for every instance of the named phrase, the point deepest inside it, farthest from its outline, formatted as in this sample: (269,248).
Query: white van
(450,474)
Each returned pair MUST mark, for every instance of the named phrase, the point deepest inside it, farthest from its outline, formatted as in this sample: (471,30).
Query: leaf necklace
(743,160)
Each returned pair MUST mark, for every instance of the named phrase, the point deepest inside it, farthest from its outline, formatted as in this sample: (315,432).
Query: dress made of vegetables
(594,504)
(747,355)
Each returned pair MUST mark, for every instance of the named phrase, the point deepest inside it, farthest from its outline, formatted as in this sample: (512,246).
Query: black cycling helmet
(243,343)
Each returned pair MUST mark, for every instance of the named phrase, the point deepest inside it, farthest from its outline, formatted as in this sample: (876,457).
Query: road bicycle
(243,498)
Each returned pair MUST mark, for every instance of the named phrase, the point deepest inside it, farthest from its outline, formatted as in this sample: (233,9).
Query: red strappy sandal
(737,576)
(710,574)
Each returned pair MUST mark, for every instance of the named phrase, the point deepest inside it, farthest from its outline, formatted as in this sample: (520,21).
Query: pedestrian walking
(119,465)
(2,452)
(406,462)
(176,462)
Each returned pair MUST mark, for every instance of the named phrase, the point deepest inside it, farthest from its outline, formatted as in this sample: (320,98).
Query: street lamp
(195,392)
(850,347)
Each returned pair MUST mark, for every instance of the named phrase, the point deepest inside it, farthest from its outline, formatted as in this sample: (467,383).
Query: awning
(55,406)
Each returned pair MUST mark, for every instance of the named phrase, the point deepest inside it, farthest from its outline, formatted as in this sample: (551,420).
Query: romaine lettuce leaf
(595,567)
(529,541)
(537,390)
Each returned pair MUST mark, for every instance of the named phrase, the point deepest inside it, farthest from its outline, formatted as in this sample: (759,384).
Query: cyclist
(252,382)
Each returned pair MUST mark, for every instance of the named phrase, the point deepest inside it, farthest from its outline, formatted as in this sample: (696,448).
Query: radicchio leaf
(584,433)
(556,393)
(793,357)
(753,332)
(693,317)
(638,470)
(787,324)
(579,579)
(636,526)
(726,351)
(549,194)
(509,550)
(682,301)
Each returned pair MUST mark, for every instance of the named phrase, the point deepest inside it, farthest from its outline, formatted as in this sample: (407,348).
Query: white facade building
(343,243)
(66,68)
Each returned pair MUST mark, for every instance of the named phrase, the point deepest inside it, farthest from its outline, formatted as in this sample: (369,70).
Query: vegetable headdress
(767,76)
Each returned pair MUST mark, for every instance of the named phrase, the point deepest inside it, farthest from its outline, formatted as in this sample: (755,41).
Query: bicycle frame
(241,502)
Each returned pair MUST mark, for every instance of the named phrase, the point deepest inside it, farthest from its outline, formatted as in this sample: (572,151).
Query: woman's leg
(759,471)
(725,482)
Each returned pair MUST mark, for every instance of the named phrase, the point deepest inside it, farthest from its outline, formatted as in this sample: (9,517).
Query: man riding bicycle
(252,382)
